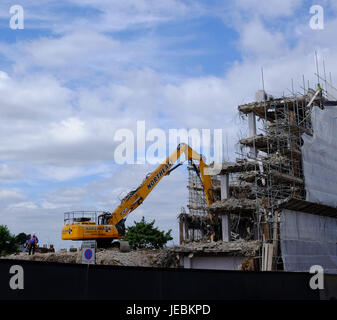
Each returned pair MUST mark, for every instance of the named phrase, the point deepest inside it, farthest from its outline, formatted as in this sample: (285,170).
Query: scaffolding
(196,197)
(277,175)
(194,225)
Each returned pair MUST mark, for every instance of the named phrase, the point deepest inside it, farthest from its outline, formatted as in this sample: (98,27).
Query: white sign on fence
(88,250)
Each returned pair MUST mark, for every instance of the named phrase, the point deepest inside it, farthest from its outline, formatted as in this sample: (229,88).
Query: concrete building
(281,194)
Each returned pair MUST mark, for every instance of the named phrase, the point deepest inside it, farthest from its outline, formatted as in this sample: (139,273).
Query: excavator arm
(111,225)
(136,198)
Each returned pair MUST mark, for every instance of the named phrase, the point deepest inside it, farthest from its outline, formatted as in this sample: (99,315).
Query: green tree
(8,243)
(145,235)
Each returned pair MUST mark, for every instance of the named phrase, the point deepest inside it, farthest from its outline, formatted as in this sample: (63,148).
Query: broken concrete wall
(215,255)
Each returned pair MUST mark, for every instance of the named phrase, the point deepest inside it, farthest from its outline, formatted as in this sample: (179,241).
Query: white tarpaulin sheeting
(320,157)
(308,240)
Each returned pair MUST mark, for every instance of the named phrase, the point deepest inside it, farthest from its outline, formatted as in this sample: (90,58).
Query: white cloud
(62,173)
(37,97)
(119,15)
(11,196)
(70,130)
(69,49)
(269,9)
(24,205)
(65,197)
(197,102)
(11,171)
(258,41)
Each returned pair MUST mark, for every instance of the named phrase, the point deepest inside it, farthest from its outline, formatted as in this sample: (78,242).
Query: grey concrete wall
(212,262)
(308,240)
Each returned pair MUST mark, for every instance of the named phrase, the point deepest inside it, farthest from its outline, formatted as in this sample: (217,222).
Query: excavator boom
(111,226)
(130,203)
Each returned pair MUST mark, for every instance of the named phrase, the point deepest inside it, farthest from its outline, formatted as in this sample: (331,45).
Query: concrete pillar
(226,228)
(275,240)
(267,257)
(186,238)
(181,232)
(252,132)
(252,124)
(225,221)
(224,185)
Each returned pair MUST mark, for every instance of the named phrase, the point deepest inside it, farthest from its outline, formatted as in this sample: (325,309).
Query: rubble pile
(240,248)
(59,256)
(139,258)
(143,258)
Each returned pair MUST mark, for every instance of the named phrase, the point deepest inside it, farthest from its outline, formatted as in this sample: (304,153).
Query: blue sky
(80,70)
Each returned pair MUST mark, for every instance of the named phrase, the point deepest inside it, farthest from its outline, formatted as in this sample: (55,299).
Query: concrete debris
(139,258)
(144,258)
(258,141)
(233,248)
(292,154)
(271,142)
(194,219)
(194,207)
(248,176)
(232,167)
(59,256)
(237,187)
(286,178)
(233,205)
(275,159)
(241,187)
(260,107)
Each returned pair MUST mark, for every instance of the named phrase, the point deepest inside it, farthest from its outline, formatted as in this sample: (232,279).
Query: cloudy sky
(82,69)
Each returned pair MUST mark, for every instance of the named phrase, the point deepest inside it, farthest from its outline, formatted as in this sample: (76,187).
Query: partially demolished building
(278,199)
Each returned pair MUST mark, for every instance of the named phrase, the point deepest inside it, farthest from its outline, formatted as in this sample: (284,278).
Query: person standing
(320,89)
(33,241)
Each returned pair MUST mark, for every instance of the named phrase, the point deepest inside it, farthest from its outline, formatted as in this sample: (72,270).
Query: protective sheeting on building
(307,240)
(320,157)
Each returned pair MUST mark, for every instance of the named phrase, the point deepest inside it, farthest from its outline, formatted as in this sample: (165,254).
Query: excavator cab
(80,217)
(89,225)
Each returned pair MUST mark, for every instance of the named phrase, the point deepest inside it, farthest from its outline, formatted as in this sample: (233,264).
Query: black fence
(42,280)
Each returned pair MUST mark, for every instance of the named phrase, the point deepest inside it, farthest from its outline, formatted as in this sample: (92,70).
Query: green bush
(145,235)
(8,242)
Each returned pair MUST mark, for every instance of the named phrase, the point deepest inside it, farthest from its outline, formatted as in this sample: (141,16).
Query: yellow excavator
(110,226)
